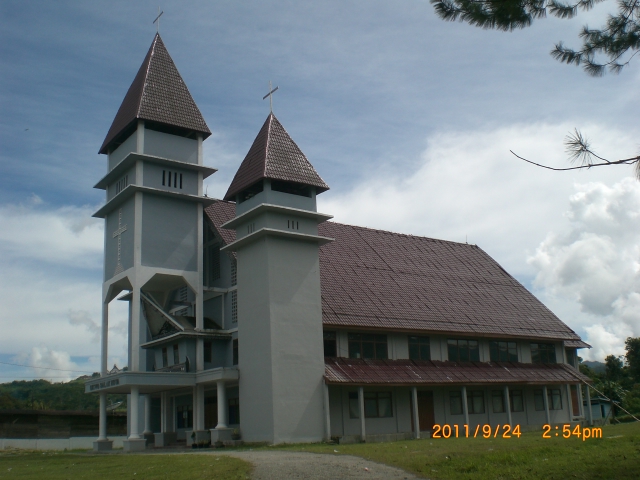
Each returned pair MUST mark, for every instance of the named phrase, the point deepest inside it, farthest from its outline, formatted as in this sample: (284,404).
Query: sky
(409,119)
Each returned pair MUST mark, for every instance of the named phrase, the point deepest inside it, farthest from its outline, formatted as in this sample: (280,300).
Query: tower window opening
(293,224)
(169,180)
(175,179)
(251,228)
(250,192)
(180,180)
(122,183)
(164,174)
(291,188)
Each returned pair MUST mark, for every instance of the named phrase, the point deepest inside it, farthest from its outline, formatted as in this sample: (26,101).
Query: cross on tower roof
(158,20)
(270,95)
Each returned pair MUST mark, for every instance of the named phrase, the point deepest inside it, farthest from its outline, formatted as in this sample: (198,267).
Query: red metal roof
(412,372)
(274,155)
(374,279)
(157,94)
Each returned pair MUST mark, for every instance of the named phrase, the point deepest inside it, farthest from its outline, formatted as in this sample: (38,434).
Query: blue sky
(408,118)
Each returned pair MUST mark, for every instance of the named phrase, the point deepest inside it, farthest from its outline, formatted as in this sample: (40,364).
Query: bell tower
(153,212)
(280,343)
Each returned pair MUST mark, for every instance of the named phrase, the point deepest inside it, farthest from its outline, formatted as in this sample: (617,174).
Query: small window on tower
(235,351)
(293,224)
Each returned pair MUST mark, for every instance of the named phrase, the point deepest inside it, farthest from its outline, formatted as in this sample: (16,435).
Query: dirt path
(313,466)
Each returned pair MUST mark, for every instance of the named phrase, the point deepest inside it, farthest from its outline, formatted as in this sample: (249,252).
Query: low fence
(74,443)
(52,424)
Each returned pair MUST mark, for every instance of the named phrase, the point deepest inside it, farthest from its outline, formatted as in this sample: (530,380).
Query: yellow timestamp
(568,431)
(480,431)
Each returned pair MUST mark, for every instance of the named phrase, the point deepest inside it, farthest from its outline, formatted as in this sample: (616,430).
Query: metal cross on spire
(158,20)
(270,95)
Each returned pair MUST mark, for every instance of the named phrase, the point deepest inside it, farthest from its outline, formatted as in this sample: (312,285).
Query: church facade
(256,316)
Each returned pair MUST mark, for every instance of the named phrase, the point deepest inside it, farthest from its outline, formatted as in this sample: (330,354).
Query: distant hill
(44,395)
(597,367)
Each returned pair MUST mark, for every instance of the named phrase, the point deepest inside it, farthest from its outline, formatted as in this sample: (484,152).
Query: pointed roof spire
(276,156)
(157,94)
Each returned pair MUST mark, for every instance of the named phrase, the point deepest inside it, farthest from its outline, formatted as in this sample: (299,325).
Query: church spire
(159,95)
(274,155)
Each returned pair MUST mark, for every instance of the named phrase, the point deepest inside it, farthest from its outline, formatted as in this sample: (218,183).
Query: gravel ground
(313,466)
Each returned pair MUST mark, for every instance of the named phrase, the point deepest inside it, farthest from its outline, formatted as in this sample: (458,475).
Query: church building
(256,317)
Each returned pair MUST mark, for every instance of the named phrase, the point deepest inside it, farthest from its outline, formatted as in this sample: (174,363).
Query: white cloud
(65,235)
(50,364)
(595,262)
(50,284)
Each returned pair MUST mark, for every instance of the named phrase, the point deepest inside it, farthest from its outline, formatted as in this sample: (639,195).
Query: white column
(327,413)
(580,400)
(134,365)
(363,432)
(194,398)
(135,407)
(147,415)
(200,401)
(199,355)
(102,420)
(163,412)
(104,346)
(508,404)
(465,406)
(546,404)
(414,405)
(222,405)
(102,431)
(589,410)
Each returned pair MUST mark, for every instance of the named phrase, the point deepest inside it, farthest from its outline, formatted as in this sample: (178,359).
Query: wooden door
(426,414)
(574,400)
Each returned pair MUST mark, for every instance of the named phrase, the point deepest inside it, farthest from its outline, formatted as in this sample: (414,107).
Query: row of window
(476,400)
(165,355)
(374,346)
(378,404)
(171,179)
(122,183)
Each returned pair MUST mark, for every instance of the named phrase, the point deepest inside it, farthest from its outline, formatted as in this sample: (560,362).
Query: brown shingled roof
(412,372)
(379,279)
(157,94)
(276,156)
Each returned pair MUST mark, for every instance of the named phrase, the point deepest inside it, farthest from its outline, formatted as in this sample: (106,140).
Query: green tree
(613,368)
(609,47)
(632,346)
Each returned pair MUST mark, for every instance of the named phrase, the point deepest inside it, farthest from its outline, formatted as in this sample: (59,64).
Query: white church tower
(153,224)
(282,393)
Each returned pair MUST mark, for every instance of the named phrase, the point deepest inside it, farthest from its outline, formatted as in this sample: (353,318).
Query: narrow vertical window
(175,179)
(169,179)
(176,354)
(235,351)
(180,180)
(164,174)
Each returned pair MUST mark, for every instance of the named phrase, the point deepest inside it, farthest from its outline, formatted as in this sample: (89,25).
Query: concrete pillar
(414,405)
(363,432)
(546,405)
(102,435)
(200,401)
(580,400)
(163,413)
(589,410)
(222,405)
(135,407)
(327,413)
(147,415)
(194,407)
(508,404)
(104,346)
(465,406)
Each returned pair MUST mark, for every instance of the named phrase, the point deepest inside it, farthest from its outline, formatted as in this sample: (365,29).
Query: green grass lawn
(615,456)
(58,466)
